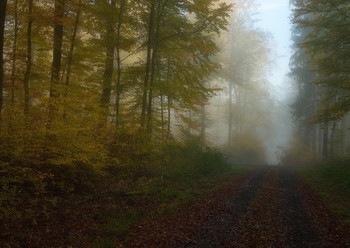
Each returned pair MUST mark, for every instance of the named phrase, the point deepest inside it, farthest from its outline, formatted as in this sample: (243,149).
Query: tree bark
(14,52)
(118,86)
(153,69)
(169,101)
(230,115)
(57,47)
(325,142)
(70,58)
(72,46)
(203,124)
(56,61)
(3,6)
(29,59)
(109,62)
(148,64)
(169,117)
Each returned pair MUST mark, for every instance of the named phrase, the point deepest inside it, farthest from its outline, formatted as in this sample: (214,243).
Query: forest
(109,108)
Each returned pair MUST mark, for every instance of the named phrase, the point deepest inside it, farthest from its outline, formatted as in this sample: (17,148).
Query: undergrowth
(331,181)
(169,175)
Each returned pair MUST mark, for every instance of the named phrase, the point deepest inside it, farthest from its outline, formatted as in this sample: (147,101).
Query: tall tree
(29,58)
(3,6)
(110,23)
(327,43)
(14,51)
(57,46)
(122,10)
(150,40)
(73,43)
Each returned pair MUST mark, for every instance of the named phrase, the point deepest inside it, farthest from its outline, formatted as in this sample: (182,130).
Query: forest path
(270,207)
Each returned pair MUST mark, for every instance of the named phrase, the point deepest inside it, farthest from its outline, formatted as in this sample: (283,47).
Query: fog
(250,117)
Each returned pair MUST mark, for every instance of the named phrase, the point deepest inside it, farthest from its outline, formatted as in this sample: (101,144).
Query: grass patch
(174,194)
(167,196)
(332,182)
(116,224)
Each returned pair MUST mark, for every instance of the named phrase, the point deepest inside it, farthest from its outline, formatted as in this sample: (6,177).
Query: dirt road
(270,207)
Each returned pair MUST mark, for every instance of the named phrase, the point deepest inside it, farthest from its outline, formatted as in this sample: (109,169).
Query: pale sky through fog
(273,16)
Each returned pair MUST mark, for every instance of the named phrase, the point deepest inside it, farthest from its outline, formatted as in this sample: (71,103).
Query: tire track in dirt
(203,223)
(299,230)
(221,225)
(260,226)
(272,207)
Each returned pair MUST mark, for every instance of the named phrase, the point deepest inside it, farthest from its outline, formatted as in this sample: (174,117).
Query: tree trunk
(29,59)
(162,113)
(72,46)
(333,145)
(153,68)
(148,65)
(169,100)
(109,62)
(203,124)
(118,86)
(325,142)
(56,61)
(230,115)
(57,47)
(14,52)
(70,58)
(169,117)
(3,6)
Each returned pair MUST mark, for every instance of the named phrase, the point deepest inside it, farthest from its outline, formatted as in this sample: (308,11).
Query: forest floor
(269,207)
(256,207)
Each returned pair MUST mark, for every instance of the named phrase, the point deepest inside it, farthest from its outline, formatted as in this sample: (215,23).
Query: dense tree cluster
(320,67)
(246,55)
(80,74)
(92,93)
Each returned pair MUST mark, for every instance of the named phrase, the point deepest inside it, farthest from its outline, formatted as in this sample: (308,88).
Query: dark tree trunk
(203,124)
(57,46)
(109,61)
(70,58)
(169,117)
(29,59)
(72,46)
(325,142)
(118,86)
(169,100)
(14,53)
(148,65)
(153,69)
(56,61)
(3,6)
(230,115)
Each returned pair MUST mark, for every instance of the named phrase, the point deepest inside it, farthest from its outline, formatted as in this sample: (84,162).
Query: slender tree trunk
(333,145)
(70,58)
(119,66)
(169,100)
(230,114)
(109,62)
(162,113)
(203,125)
(148,65)
(29,59)
(72,46)
(57,47)
(3,6)
(14,52)
(325,142)
(56,60)
(169,117)
(153,69)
